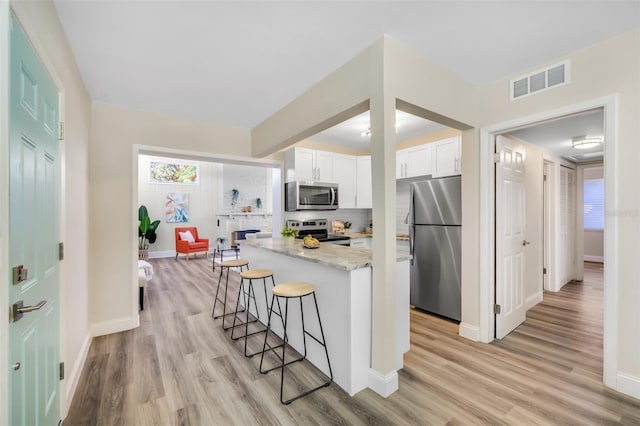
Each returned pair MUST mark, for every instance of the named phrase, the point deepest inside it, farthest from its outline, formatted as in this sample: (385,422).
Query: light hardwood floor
(180,368)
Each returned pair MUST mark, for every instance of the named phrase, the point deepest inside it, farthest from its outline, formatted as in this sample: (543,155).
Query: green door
(34,339)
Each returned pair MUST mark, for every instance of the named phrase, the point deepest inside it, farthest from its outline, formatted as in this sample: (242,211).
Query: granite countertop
(355,235)
(337,256)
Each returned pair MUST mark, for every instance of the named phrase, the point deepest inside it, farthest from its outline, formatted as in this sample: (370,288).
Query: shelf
(244,214)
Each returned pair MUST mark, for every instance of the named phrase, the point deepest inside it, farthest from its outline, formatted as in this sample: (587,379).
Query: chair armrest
(203,240)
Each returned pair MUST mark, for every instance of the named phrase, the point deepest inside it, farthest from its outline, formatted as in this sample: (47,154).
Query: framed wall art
(172,173)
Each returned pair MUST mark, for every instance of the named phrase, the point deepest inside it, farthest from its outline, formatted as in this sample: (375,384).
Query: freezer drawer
(435,271)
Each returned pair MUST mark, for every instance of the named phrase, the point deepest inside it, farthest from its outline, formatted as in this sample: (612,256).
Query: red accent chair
(183,246)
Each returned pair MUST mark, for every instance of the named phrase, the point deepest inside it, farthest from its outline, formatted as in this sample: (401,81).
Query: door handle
(19,309)
(525,242)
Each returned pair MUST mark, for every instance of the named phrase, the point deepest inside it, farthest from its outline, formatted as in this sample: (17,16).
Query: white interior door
(34,335)
(511,240)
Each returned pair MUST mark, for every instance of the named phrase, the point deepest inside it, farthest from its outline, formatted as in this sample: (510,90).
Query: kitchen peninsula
(342,277)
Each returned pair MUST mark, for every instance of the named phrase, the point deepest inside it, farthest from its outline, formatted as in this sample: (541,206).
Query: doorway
(487,225)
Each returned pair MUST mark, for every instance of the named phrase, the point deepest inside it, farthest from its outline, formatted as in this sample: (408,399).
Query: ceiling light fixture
(368,132)
(583,142)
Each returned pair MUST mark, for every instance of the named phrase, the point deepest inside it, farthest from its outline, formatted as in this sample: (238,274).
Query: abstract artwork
(187,174)
(177,207)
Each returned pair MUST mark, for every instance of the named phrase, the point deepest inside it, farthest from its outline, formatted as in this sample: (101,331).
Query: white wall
(608,70)
(41,24)
(117,135)
(203,202)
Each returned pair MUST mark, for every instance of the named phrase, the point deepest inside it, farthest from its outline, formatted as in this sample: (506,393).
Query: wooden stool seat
(293,289)
(234,263)
(252,274)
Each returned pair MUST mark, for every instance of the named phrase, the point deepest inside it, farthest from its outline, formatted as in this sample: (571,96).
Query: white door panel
(511,238)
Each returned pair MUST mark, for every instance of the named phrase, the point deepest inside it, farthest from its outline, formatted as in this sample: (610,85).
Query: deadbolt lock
(19,274)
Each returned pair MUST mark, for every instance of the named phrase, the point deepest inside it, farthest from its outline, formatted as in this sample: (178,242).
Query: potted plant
(146,232)
(234,197)
(221,241)
(289,233)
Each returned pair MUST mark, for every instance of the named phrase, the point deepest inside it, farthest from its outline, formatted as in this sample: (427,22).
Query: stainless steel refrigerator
(435,231)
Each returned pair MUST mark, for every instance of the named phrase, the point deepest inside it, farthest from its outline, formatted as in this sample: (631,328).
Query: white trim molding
(469,331)
(383,385)
(115,326)
(487,233)
(74,375)
(629,385)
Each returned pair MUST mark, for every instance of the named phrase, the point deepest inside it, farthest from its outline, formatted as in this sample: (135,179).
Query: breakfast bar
(343,280)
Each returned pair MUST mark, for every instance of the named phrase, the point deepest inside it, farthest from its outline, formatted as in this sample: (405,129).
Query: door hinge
(61,131)
(544,178)
(496,309)
(496,157)
(60,251)
(544,271)
(62,371)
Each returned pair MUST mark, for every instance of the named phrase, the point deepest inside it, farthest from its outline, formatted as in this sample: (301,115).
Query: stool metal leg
(247,302)
(224,302)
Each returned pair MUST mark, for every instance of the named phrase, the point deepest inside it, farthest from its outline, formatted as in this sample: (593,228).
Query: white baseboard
(598,259)
(114,326)
(469,331)
(383,385)
(628,384)
(533,300)
(73,376)
(162,254)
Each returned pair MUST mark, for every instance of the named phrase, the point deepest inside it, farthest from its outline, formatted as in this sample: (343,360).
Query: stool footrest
(237,325)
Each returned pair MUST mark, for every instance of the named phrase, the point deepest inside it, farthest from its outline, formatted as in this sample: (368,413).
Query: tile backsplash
(359,218)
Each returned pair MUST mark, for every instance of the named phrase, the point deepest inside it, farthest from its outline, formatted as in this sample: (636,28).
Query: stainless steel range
(318,228)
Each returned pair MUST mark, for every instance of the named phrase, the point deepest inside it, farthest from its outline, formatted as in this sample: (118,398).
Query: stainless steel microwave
(310,196)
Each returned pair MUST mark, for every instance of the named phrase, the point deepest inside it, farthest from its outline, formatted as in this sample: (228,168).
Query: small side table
(219,251)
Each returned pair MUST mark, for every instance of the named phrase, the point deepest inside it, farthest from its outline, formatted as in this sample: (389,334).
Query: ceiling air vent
(541,80)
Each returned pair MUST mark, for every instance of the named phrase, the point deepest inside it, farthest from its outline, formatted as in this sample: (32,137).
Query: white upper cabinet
(363,181)
(414,161)
(325,166)
(446,157)
(344,174)
(309,165)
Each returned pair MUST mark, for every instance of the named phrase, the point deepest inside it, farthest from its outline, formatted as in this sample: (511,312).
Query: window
(594,204)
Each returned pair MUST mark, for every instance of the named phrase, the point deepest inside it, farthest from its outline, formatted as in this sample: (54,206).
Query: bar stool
(238,263)
(249,293)
(289,291)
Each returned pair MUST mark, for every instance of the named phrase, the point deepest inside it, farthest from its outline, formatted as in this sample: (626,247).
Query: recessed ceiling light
(583,142)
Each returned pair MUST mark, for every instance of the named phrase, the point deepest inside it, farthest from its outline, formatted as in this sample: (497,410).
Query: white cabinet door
(344,174)
(304,164)
(418,161)
(415,161)
(363,183)
(446,157)
(324,164)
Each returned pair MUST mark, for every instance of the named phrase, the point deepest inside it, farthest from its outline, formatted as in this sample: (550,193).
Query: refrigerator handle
(409,221)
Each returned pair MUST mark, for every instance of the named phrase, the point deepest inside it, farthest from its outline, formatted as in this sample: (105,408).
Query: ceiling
(556,135)
(238,62)
(351,133)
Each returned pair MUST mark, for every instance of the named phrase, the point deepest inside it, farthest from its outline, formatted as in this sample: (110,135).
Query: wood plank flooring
(180,368)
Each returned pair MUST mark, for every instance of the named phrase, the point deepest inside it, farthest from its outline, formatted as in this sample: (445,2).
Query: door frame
(487,228)
(29,26)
